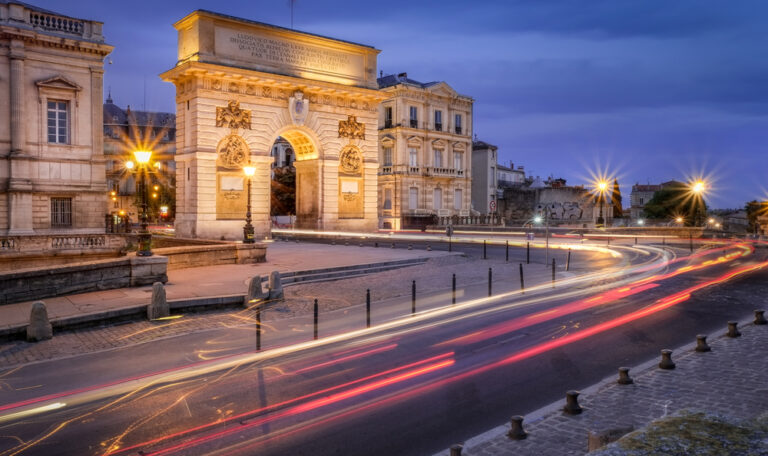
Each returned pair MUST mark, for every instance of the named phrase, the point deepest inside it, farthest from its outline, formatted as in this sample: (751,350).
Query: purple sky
(650,90)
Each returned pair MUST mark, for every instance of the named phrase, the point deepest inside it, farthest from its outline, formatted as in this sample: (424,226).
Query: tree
(672,201)
(618,211)
(754,210)
(283,199)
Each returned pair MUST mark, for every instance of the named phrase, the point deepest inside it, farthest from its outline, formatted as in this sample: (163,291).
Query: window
(457,199)
(387,156)
(413,153)
(414,117)
(387,198)
(641,201)
(458,124)
(57,122)
(388,117)
(458,160)
(438,158)
(437,198)
(413,198)
(61,212)
(439,120)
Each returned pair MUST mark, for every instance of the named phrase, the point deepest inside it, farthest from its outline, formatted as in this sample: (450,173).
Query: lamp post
(142,158)
(248,228)
(601,186)
(697,188)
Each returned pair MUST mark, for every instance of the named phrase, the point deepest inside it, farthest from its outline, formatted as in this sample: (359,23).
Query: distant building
(282,151)
(124,128)
(425,132)
(509,176)
(51,161)
(484,176)
(642,193)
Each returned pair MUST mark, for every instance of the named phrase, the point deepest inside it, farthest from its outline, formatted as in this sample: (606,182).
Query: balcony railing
(422,170)
(56,23)
(414,123)
(388,123)
(438,127)
(458,130)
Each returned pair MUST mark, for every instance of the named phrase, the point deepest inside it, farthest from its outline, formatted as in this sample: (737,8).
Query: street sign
(492,206)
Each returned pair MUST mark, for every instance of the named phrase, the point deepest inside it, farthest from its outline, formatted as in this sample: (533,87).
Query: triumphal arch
(242,84)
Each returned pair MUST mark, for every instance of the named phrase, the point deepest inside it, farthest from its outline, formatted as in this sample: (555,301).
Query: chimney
(511,165)
(402,76)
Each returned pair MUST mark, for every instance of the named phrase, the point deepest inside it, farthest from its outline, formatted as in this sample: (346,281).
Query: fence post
(522,283)
(485,256)
(413,297)
(568,261)
(368,308)
(453,289)
(553,273)
(490,281)
(527,253)
(507,257)
(316,312)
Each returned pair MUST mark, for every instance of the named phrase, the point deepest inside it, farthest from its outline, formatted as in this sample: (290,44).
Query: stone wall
(209,255)
(97,275)
(21,252)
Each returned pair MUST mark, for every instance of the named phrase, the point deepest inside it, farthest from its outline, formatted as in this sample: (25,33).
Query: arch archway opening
(294,191)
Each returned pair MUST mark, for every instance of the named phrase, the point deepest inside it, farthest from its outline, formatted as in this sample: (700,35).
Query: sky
(642,90)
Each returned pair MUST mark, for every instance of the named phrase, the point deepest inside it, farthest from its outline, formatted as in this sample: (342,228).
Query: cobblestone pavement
(434,275)
(729,380)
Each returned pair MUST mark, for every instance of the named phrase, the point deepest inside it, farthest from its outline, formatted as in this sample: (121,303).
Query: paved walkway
(730,380)
(214,280)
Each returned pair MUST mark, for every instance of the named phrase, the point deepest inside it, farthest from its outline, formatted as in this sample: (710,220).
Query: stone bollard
(598,439)
(516,431)
(760,317)
(158,307)
(733,330)
(275,286)
(624,378)
(701,344)
(39,327)
(456,449)
(572,406)
(666,360)
(255,293)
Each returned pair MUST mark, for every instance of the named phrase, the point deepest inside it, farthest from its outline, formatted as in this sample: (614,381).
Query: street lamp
(248,228)
(641,222)
(142,158)
(679,219)
(601,187)
(697,188)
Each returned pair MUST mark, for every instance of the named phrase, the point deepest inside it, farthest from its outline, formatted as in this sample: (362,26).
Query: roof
(476,145)
(114,115)
(395,79)
(646,188)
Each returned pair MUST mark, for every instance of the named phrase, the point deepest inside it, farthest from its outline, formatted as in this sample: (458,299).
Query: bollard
(456,449)
(368,308)
(666,360)
(490,281)
(485,256)
(733,330)
(690,238)
(527,253)
(429,248)
(701,344)
(376,245)
(553,273)
(316,312)
(158,306)
(258,328)
(413,297)
(450,247)
(522,282)
(568,261)
(453,289)
(40,327)
(624,378)
(507,254)
(663,240)
(410,246)
(516,431)
(572,406)
(760,317)
(255,291)
(393,246)
(275,286)
(635,240)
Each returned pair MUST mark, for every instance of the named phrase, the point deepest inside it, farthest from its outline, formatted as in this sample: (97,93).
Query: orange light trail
(346,358)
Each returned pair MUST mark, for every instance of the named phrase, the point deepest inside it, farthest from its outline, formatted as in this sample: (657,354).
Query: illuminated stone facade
(242,84)
(52,177)
(425,146)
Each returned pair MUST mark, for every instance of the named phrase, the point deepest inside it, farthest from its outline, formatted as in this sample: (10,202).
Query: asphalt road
(410,385)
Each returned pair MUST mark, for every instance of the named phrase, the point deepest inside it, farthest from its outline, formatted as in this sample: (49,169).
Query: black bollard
(666,360)
(733,330)
(527,253)
(760,317)
(316,315)
(456,449)
(453,289)
(516,431)
(450,247)
(701,344)
(572,406)
(490,281)
(522,282)
(553,273)
(635,240)
(624,378)
(413,297)
(258,328)
(485,256)
(376,244)
(507,257)
(368,308)
(690,239)
(568,261)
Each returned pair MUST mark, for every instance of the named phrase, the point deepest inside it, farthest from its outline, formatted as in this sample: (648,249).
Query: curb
(545,411)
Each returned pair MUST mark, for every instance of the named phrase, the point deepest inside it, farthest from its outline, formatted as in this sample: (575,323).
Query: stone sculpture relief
(233,152)
(350,160)
(351,128)
(233,117)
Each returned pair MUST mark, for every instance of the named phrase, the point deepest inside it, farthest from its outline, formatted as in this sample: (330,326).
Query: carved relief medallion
(233,117)
(233,152)
(350,160)
(298,107)
(351,128)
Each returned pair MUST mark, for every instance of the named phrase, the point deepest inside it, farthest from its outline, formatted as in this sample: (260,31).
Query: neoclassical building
(52,177)
(425,146)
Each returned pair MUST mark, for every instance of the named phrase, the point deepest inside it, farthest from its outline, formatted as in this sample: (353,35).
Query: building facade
(125,129)
(484,177)
(425,171)
(52,169)
(642,193)
(510,176)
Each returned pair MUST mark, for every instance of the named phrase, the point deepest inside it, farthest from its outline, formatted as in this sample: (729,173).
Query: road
(408,385)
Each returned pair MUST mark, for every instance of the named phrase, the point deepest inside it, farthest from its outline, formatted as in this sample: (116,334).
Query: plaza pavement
(730,380)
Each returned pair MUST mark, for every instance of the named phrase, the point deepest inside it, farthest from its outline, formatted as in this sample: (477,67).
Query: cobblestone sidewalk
(730,380)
